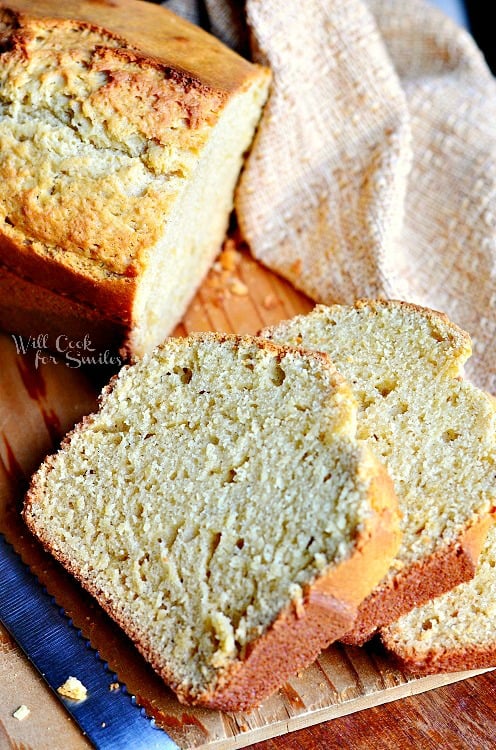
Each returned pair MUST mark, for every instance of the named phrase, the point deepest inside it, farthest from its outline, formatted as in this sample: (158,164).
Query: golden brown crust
(158,33)
(416,584)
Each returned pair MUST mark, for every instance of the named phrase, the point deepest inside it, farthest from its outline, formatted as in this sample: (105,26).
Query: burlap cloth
(374,169)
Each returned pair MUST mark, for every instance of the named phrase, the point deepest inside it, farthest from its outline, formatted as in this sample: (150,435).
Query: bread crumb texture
(459,622)
(434,431)
(219,478)
(96,140)
(73,689)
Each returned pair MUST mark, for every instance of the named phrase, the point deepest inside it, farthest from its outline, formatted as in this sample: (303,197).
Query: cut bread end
(197,223)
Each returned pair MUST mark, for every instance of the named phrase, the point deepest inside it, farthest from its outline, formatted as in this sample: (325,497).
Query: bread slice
(434,431)
(119,154)
(454,631)
(221,509)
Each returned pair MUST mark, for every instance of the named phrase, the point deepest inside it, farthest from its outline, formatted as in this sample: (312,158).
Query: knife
(109,718)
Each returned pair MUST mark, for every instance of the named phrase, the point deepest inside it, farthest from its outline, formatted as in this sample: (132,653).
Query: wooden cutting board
(40,399)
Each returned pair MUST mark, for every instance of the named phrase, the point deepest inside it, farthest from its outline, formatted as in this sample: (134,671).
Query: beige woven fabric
(449,227)
(374,169)
(321,199)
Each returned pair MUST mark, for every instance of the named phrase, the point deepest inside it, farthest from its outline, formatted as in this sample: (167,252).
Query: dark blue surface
(109,718)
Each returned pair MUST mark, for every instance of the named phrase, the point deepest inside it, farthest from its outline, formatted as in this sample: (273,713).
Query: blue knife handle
(110,719)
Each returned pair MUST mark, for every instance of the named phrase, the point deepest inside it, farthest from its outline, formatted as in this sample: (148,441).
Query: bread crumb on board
(271,301)
(238,288)
(229,257)
(73,689)
(222,282)
(296,267)
(21,713)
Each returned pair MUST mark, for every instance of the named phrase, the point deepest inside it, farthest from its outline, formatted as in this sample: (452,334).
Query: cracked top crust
(96,140)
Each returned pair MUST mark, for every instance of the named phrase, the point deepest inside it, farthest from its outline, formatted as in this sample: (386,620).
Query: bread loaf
(221,509)
(120,148)
(454,631)
(434,431)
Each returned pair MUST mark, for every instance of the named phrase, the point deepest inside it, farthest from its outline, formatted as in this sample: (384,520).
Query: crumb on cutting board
(229,257)
(21,713)
(271,301)
(223,282)
(238,288)
(73,688)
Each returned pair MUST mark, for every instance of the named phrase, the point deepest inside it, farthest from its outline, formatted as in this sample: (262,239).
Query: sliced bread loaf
(220,507)
(455,631)
(434,431)
(120,147)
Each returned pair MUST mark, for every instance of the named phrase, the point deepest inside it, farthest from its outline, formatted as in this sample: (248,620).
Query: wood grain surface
(39,402)
(456,717)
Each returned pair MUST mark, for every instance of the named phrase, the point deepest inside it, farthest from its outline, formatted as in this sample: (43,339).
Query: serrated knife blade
(110,719)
